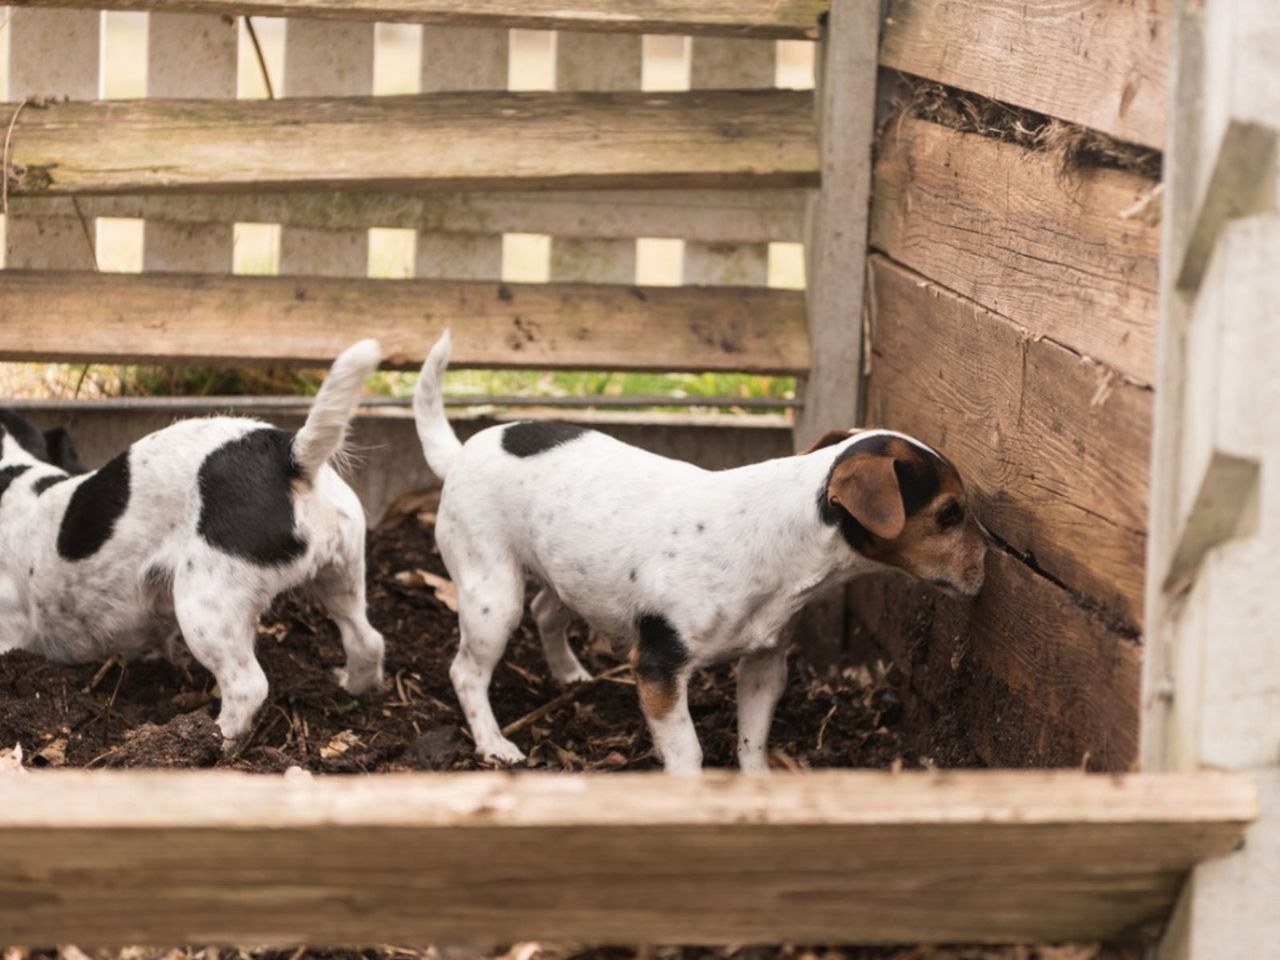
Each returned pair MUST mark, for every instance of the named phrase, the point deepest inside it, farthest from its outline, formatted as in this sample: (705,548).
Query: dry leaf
(54,753)
(444,588)
(339,745)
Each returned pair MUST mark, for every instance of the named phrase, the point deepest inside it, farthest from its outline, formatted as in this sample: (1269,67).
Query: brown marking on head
(828,439)
(914,514)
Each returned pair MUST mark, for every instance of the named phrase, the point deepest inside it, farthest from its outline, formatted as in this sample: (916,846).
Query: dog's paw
(578,674)
(502,752)
(357,683)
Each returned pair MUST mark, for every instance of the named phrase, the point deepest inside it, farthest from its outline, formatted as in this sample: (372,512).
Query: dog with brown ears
(690,566)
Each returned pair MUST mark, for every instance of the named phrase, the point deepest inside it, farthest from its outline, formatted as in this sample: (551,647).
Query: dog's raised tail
(325,432)
(439,443)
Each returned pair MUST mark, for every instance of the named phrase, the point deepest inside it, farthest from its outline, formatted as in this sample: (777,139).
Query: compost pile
(156,713)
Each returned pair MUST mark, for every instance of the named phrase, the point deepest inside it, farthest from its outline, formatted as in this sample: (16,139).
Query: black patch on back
(660,653)
(93,510)
(918,481)
(29,438)
(246,502)
(10,474)
(531,437)
(44,483)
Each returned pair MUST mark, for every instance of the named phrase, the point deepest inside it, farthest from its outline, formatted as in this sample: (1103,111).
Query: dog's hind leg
(489,607)
(219,624)
(340,590)
(553,617)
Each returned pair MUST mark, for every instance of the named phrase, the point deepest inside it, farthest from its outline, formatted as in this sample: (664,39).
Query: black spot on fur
(660,653)
(918,481)
(531,437)
(62,452)
(94,508)
(632,575)
(44,483)
(28,437)
(10,474)
(246,502)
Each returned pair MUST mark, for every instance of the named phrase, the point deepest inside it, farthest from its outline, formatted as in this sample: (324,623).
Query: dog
(689,566)
(195,528)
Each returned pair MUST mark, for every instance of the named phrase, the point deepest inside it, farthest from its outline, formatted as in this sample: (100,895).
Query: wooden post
(453,59)
(731,65)
(326,59)
(189,57)
(52,53)
(1212,672)
(596,61)
(836,259)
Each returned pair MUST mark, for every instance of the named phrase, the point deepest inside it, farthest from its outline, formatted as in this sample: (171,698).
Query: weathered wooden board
(1053,447)
(202,318)
(742,216)
(1098,63)
(430,141)
(777,19)
(101,858)
(1000,225)
(1029,675)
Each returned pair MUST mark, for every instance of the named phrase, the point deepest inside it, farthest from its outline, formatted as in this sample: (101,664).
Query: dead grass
(1076,148)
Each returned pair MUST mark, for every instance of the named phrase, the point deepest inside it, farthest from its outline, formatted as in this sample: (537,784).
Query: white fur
(156,575)
(613,532)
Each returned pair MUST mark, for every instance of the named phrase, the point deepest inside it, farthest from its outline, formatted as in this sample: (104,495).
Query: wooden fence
(1012,323)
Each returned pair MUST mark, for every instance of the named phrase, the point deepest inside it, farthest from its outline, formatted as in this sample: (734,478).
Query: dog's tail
(323,435)
(439,443)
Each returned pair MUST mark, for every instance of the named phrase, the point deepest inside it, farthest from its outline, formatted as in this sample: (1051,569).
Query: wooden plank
(1052,446)
(102,858)
(437,141)
(190,56)
(716,216)
(51,53)
(1101,65)
(776,19)
(595,61)
(837,220)
(1001,225)
(1026,673)
(326,59)
(453,59)
(717,63)
(201,318)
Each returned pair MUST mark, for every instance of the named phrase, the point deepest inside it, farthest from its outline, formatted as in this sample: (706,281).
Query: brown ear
(867,487)
(826,440)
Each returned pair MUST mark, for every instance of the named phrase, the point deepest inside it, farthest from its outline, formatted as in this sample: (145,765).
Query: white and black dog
(690,566)
(195,528)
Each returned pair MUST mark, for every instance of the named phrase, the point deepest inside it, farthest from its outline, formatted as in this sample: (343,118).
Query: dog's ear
(828,439)
(62,452)
(866,485)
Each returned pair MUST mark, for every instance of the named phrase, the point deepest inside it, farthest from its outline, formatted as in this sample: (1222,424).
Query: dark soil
(155,713)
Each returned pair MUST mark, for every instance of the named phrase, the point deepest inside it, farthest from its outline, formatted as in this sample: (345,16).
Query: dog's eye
(950,515)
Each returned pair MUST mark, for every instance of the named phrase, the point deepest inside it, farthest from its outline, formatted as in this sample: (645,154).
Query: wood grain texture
(776,19)
(201,318)
(431,141)
(1027,674)
(743,216)
(224,857)
(1098,63)
(1052,447)
(1002,226)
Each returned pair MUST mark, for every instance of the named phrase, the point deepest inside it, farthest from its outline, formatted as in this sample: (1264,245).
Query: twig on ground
(567,697)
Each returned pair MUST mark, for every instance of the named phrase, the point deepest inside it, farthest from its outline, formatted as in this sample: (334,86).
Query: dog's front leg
(761,679)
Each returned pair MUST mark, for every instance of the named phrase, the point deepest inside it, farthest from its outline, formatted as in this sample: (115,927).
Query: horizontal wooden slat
(741,216)
(203,318)
(1026,673)
(433,141)
(779,19)
(99,858)
(1000,225)
(1055,448)
(1098,64)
